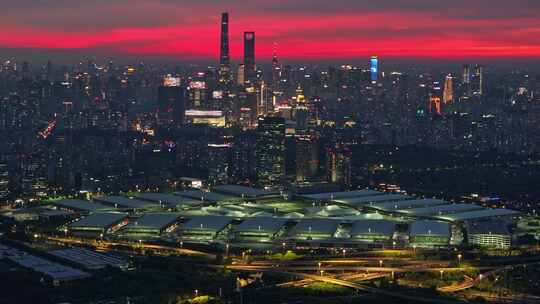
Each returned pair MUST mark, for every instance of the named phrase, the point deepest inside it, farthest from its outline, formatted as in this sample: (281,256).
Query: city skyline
(303,31)
(262,152)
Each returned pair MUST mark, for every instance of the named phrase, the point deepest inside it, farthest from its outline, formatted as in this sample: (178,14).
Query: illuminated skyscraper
(198,94)
(448,93)
(477,80)
(339,165)
(302,112)
(300,97)
(270,151)
(249,58)
(307,158)
(241,75)
(275,70)
(224,58)
(171,102)
(4,180)
(264,100)
(374,68)
(466,74)
(434,105)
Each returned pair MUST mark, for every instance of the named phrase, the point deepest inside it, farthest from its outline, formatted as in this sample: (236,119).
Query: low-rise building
(126,203)
(315,229)
(493,234)
(99,224)
(373,231)
(151,225)
(169,201)
(76,205)
(259,229)
(429,233)
(205,228)
(246,192)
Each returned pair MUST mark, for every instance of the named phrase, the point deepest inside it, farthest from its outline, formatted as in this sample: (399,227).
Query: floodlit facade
(204,228)
(99,224)
(315,229)
(373,231)
(259,229)
(429,233)
(151,225)
(493,234)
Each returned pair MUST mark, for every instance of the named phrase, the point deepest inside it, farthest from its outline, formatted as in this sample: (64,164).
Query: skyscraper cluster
(118,127)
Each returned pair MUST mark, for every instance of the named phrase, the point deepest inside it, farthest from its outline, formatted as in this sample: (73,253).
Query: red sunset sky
(305,29)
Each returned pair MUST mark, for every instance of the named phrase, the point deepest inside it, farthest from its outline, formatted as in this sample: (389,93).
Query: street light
(322,272)
(459,256)
(380,263)
(441,271)
(196,293)
(344,251)
(319,264)
(394,245)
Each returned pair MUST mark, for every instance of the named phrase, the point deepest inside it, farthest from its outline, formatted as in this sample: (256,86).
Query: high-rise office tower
(171,102)
(264,100)
(250,72)
(4,181)
(477,80)
(275,70)
(307,158)
(270,151)
(224,57)
(448,93)
(434,104)
(241,75)
(466,74)
(218,164)
(338,166)
(243,158)
(374,68)
(34,179)
(198,94)
(301,109)
(466,90)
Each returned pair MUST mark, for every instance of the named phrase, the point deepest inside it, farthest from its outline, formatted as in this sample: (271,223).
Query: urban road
(310,270)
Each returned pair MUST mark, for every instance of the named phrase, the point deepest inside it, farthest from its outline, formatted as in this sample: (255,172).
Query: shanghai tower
(224,57)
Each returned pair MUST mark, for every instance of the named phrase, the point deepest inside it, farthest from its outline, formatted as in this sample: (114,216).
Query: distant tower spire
(276,69)
(274,54)
(224,57)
